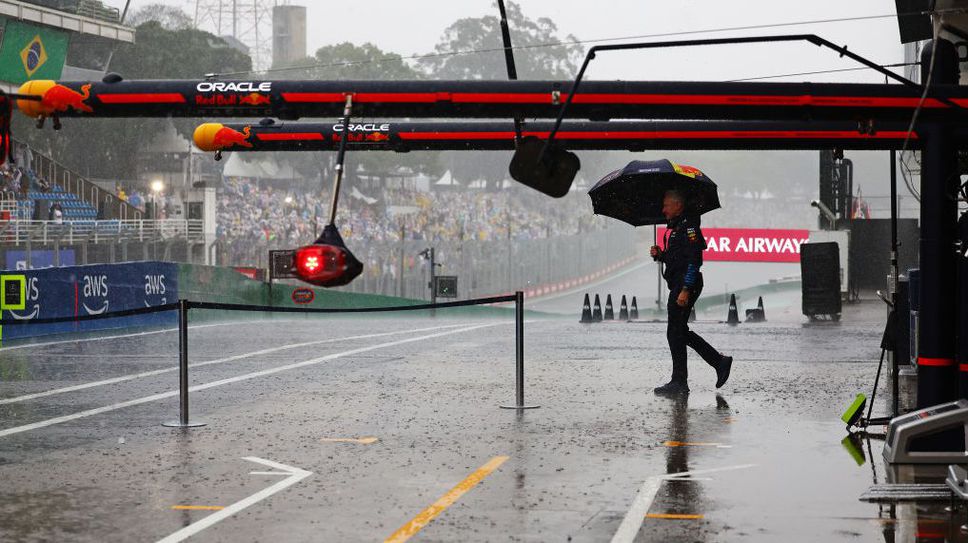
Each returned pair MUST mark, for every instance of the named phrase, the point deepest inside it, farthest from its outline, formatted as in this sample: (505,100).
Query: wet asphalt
(93,463)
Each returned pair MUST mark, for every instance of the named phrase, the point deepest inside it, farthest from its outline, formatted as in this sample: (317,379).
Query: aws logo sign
(94,289)
(155,288)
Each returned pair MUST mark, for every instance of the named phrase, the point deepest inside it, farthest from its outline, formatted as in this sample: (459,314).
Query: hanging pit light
(327,262)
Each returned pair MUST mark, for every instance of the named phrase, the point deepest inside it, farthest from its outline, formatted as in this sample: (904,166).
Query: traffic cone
(609,312)
(597,311)
(756,314)
(586,311)
(733,317)
(634,311)
(692,314)
(623,311)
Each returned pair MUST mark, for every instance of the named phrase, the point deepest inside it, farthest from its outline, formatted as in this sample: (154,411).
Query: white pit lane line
(293,476)
(152,373)
(236,379)
(643,500)
(131,335)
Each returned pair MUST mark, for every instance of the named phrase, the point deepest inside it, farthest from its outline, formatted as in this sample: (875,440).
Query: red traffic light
(326,265)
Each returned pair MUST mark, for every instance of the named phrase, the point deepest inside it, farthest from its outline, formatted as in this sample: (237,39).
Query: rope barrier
(183,306)
(272,309)
(254,308)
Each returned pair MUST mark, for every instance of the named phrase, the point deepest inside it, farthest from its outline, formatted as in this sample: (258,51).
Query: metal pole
(340,156)
(183,361)
(400,264)
(509,61)
(519,354)
(183,421)
(433,273)
(898,320)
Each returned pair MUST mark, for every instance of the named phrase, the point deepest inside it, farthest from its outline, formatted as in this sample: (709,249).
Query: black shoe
(722,371)
(672,388)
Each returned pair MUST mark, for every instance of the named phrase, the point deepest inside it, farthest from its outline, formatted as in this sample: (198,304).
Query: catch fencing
(394,268)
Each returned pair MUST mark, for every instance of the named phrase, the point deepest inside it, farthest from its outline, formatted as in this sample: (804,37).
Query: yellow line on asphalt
(691,444)
(362,440)
(411,528)
(197,507)
(671,516)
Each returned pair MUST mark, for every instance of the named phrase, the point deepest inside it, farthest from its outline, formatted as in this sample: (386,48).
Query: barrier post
(519,353)
(183,421)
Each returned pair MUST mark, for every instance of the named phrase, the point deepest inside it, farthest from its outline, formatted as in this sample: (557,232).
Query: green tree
(349,61)
(169,17)
(346,61)
(108,148)
(472,48)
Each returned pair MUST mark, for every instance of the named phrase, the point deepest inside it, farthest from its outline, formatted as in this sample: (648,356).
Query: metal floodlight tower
(248,21)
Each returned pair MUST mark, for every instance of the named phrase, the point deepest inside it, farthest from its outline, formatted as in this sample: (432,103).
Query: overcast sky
(414,26)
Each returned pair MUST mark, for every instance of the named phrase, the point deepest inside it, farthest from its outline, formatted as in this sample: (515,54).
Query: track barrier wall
(79,291)
(90,291)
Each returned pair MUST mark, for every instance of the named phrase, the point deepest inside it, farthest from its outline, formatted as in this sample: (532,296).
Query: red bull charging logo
(218,137)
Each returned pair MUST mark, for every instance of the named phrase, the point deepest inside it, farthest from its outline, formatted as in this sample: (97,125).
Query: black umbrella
(634,193)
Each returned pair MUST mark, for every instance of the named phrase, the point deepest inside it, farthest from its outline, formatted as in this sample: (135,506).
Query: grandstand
(74,208)
(95,224)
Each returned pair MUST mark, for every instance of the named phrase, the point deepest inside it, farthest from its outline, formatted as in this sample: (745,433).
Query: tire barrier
(609,311)
(183,306)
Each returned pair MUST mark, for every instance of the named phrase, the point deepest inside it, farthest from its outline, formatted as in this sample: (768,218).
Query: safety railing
(18,232)
(107,202)
(183,307)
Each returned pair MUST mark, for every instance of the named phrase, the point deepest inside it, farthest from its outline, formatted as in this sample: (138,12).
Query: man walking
(684,244)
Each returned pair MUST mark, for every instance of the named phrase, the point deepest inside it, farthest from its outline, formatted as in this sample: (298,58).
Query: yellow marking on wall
(672,516)
(361,440)
(20,278)
(411,528)
(10,278)
(694,444)
(197,507)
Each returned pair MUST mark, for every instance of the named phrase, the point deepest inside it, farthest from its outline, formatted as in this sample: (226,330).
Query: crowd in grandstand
(253,217)
(18,179)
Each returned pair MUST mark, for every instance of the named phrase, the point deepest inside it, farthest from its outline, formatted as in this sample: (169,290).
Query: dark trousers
(680,336)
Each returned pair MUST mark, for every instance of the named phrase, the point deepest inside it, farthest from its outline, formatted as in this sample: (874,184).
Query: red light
(325,265)
(311,263)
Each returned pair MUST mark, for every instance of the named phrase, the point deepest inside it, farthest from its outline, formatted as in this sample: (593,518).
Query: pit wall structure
(106,288)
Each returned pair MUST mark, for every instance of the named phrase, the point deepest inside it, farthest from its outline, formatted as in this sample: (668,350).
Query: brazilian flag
(31,52)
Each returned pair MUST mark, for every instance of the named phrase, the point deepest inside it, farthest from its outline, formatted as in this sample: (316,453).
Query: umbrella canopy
(634,193)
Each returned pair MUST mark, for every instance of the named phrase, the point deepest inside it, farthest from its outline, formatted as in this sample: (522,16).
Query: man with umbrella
(634,194)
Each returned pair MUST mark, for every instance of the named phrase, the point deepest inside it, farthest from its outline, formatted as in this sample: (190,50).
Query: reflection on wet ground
(765,458)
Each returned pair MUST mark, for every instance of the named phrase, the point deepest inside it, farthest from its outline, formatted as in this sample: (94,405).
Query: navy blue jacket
(684,244)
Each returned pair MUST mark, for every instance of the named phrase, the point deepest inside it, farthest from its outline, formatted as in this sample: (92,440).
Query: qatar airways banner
(751,244)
